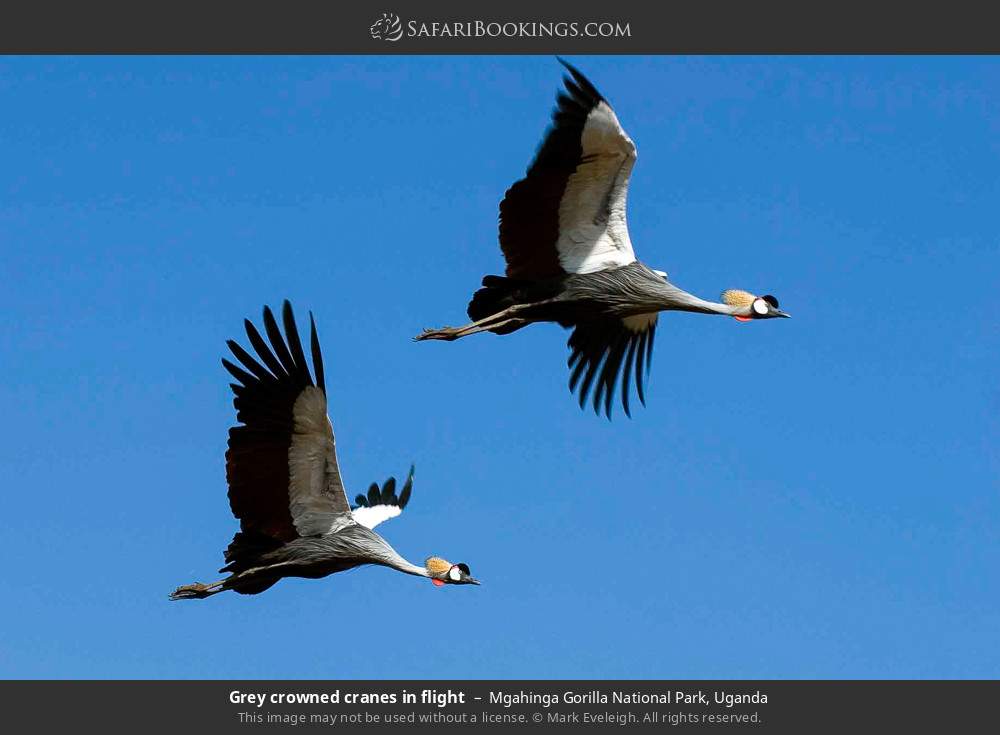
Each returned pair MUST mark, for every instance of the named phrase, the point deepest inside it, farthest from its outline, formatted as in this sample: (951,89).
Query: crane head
(752,307)
(443,572)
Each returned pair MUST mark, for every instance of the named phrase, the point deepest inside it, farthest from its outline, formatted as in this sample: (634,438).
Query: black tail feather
(497,294)
(245,550)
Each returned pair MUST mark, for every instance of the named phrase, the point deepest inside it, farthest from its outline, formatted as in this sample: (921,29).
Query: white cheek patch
(760,306)
(455,574)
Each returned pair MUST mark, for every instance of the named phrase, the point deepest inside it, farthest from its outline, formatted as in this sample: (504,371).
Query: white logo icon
(387,28)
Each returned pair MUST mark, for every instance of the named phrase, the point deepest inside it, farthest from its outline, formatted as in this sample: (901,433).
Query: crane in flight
(564,237)
(284,481)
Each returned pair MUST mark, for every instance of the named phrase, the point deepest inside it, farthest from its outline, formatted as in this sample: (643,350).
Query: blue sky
(815,497)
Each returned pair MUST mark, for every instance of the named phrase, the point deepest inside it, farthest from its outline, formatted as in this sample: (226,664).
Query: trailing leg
(197,590)
(502,321)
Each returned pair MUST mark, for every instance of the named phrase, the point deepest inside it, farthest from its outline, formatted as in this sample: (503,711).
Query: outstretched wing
(382,504)
(598,350)
(281,465)
(567,215)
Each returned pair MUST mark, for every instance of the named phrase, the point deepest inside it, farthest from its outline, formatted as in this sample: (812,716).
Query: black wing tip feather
(578,82)
(242,376)
(294,343)
(317,354)
(386,495)
(600,356)
(283,359)
(404,495)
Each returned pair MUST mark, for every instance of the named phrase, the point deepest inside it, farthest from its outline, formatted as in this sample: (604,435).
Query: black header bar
(510,27)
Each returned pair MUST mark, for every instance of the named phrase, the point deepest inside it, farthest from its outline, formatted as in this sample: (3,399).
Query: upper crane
(569,258)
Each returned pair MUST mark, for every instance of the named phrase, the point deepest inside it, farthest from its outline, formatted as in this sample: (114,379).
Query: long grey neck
(388,557)
(671,298)
(363,544)
(636,289)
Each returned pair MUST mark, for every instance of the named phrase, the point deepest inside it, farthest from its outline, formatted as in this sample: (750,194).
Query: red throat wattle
(437,583)
(742,318)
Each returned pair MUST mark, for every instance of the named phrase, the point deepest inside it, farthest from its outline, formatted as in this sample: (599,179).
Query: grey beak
(779,312)
(470,580)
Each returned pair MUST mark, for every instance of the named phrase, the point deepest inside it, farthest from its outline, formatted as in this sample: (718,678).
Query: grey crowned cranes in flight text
(284,481)
(569,258)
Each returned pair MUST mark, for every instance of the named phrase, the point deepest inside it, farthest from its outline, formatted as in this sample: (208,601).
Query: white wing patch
(369,517)
(593,232)
(316,496)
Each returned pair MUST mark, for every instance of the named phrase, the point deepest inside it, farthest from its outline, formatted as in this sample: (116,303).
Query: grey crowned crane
(569,258)
(284,481)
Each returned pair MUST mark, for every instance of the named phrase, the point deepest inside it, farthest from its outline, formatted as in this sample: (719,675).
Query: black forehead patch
(771,300)
(463,568)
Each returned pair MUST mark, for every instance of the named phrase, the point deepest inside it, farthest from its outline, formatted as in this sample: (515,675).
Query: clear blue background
(815,497)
